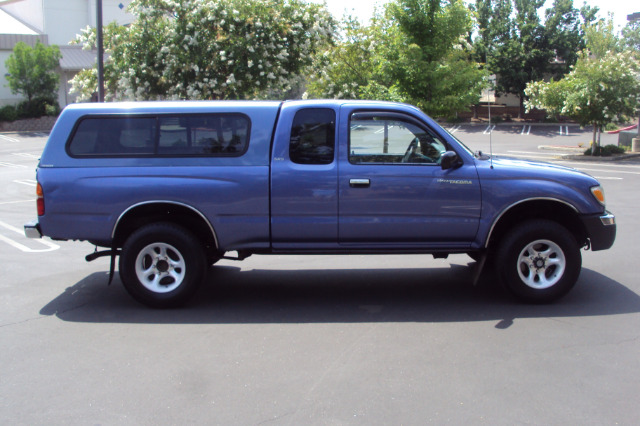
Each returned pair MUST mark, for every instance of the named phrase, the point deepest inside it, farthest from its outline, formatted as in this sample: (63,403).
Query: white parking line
(12,166)
(609,168)
(454,128)
(26,155)
(552,154)
(524,157)
(608,171)
(50,246)
(8,139)
(526,129)
(489,129)
(566,129)
(16,202)
(29,182)
(382,130)
(613,165)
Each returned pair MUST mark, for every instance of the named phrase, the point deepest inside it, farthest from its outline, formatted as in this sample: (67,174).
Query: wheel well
(539,209)
(181,215)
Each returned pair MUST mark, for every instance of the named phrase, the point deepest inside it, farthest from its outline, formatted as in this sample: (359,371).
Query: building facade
(53,22)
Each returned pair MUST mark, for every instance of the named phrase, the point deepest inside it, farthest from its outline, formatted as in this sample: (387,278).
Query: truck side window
(114,136)
(209,135)
(219,134)
(313,136)
(391,139)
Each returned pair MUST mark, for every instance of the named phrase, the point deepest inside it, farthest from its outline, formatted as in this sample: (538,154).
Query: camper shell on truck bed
(171,187)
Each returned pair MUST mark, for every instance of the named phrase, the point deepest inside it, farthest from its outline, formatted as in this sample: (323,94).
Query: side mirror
(449,160)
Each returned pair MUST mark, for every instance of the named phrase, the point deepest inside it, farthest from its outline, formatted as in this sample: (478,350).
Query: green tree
(519,48)
(598,91)
(631,36)
(430,58)
(206,49)
(526,54)
(601,38)
(32,71)
(564,26)
(416,52)
(348,68)
(631,40)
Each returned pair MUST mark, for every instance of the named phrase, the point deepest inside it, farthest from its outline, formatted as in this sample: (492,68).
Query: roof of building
(76,59)
(13,30)
(12,25)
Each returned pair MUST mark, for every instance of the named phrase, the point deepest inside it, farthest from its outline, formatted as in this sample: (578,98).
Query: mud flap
(114,252)
(479,267)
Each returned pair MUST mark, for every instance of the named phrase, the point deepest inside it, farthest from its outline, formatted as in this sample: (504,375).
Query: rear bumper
(32,229)
(601,230)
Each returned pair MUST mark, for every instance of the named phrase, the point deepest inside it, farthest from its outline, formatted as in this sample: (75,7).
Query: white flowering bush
(596,92)
(208,49)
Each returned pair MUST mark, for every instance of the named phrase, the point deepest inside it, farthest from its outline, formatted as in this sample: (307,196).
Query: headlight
(598,193)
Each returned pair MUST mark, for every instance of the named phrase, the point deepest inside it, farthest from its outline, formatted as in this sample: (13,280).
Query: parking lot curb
(612,158)
(576,153)
(573,149)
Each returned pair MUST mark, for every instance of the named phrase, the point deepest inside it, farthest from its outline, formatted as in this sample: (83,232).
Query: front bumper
(32,229)
(601,230)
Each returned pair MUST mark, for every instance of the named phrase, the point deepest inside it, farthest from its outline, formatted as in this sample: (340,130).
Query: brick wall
(42,124)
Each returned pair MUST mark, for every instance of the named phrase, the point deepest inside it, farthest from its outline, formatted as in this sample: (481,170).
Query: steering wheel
(412,154)
(411,150)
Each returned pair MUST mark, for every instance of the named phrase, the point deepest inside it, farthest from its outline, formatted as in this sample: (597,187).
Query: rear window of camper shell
(175,135)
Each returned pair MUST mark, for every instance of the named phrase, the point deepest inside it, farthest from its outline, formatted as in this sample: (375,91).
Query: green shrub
(38,107)
(605,151)
(8,113)
(52,110)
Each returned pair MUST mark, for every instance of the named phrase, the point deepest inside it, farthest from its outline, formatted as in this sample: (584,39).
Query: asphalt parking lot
(320,339)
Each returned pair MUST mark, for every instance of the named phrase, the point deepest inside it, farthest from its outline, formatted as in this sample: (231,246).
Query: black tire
(162,265)
(539,261)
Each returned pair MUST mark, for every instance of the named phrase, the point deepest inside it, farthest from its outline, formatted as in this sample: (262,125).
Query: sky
(363,9)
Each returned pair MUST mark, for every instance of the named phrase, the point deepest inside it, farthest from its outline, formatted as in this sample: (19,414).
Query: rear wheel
(162,264)
(539,261)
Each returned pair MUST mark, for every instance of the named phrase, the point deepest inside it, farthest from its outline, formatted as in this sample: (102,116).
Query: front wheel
(162,264)
(539,261)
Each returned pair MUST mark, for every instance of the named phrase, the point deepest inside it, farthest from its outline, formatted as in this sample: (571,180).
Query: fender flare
(176,203)
(509,207)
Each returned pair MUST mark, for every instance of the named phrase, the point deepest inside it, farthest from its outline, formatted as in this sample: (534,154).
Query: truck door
(304,179)
(393,190)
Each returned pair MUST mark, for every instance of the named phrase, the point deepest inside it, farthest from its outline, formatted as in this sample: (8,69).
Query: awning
(76,59)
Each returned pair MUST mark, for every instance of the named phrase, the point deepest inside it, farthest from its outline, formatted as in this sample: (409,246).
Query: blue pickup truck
(172,187)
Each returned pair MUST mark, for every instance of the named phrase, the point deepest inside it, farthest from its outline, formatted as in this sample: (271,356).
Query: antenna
(490,135)
(490,126)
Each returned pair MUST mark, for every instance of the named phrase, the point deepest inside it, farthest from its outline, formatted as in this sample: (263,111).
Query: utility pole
(100,51)
(635,17)
(635,142)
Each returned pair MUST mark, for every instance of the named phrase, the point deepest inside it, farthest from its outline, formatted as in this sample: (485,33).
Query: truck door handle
(359,183)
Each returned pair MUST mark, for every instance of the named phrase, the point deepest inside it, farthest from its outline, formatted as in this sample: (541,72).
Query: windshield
(459,142)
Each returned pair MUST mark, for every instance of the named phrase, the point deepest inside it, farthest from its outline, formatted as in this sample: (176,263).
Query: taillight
(40,200)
